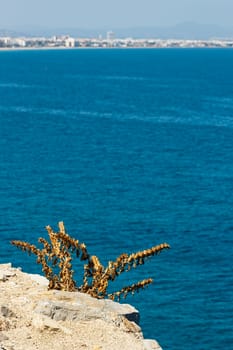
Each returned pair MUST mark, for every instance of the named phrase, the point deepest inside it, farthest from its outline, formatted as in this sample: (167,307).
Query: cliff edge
(33,318)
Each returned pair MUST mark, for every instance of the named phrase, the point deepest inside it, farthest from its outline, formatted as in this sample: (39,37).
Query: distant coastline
(67,42)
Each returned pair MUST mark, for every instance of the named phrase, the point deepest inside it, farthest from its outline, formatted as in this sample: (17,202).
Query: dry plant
(56,257)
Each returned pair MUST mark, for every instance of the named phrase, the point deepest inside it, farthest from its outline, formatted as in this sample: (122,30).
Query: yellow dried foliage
(56,260)
(130,289)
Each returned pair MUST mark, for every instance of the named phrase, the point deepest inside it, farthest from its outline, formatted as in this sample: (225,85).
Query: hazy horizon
(109,14)
(185,30)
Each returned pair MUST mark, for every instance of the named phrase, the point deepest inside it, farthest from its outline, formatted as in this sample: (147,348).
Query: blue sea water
(130,148)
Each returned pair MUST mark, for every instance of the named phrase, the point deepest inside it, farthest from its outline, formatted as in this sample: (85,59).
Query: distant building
(19,42)
(6,41)
(110,35)
(69,42)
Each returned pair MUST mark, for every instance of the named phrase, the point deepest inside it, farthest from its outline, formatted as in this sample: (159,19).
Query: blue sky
(113,13)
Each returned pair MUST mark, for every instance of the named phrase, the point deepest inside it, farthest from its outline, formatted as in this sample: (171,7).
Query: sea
(130,148)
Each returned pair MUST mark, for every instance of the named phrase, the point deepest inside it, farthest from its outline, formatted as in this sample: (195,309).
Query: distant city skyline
(111,14)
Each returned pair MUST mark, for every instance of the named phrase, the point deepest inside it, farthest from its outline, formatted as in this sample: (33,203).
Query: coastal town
(66,41)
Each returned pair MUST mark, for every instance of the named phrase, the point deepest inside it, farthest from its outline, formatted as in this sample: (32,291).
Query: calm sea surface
(130,148)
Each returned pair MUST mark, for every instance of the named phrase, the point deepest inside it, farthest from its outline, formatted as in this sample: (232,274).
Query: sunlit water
(130,148)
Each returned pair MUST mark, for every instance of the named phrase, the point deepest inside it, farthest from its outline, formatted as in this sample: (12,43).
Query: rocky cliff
(33,318)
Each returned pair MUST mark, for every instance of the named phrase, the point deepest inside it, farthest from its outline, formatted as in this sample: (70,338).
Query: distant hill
(187,30)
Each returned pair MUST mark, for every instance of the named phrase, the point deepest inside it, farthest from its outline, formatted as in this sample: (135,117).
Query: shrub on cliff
(56,257)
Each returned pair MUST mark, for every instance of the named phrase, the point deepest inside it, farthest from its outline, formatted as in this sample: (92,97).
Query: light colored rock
(3,277)
(3,337)
(82,307)
(126,310)
(5,266)
(43,323)
(31,317)
(6,271)
(41,280)
(150,344)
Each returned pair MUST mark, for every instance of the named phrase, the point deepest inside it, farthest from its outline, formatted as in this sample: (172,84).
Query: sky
(113,13)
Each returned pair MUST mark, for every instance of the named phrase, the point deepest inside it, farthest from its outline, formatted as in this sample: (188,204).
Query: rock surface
(33,318)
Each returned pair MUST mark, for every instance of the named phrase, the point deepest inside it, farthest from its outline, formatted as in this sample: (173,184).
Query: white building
(19,42)
(69,42)
(110,35)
